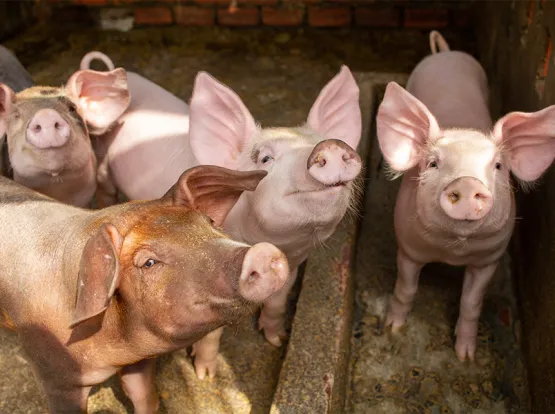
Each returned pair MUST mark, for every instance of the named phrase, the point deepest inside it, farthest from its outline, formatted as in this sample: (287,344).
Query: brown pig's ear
(102,96)
(98,274)
(7,97)
(213,190)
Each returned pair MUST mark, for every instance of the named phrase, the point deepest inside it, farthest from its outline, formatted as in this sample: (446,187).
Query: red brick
(241,2)
(389,17)
(194,16)
(426,18)
(461,18)
(241,17)
(329,17)
(282,17)
(153,15)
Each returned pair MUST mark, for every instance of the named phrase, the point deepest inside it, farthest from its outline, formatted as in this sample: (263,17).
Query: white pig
(455,204)
(311,168)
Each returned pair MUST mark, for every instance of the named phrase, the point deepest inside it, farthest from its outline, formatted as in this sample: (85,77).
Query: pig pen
(339,358)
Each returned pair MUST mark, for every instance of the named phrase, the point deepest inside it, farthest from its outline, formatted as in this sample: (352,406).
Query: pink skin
(311,169)
(455,203)
(48,129)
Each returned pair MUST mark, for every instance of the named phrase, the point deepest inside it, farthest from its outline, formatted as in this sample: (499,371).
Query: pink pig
(307,191)
(455,204)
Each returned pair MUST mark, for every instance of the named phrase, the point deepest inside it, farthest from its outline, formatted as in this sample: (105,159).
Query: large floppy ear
(404,125)
(530,139)
(7,98)
(336,111)
(102,96)
(98,274)
(220,125)
(213,190)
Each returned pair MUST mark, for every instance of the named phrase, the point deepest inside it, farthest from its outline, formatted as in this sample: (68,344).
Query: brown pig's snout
(48,129)
(264,272)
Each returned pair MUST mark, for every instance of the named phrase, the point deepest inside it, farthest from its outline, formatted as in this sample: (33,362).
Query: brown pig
(92,293)
(48,129)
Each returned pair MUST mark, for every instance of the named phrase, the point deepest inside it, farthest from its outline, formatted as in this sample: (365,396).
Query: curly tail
(89,57)
(437,42)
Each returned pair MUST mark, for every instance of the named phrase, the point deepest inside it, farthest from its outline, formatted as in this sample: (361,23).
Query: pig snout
(48,129)
(265,270)
(333,162)
(466,198)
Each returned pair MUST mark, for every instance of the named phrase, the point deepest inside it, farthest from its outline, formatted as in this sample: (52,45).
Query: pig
(47,128)
(311,169)
(95,292)
(455,204)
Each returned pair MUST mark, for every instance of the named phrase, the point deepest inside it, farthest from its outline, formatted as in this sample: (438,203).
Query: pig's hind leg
(408,273)
(476,280)
(138,384)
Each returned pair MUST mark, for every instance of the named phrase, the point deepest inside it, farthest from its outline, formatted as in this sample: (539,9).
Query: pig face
(311,168)
(463,174)
(172,268)
(48,128)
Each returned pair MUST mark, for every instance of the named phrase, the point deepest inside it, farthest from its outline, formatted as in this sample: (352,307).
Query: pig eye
(498,165)
(149,263)
(432,164)
(72,108)
(266,159)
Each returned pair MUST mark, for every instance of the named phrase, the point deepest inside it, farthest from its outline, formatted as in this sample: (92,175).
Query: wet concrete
(278,74)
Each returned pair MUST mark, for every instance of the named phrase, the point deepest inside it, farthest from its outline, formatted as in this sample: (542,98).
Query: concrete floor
(278,74)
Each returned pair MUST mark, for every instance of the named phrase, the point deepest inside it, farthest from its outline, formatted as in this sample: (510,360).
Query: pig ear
(7,97)
(404,125)
(336,112)
(98,274)
(220,125)
(213,190)
(530,139)
(102,96)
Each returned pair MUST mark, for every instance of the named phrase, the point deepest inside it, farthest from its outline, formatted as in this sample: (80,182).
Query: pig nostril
(454,197)
(321,161)
(57,125)
(37,128)
(480,196)
(253,276)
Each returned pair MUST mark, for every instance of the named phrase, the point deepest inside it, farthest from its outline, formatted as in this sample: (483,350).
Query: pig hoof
(465,347)
(273,332)
(395,321)
(205,367)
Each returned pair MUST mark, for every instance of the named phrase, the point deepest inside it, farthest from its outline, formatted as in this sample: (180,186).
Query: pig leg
(476,280)
(106,192)
(408,273)
(63,400)
(272,317)
(205,352)
(138,384)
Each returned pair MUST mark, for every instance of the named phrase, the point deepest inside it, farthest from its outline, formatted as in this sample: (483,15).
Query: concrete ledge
(314,374)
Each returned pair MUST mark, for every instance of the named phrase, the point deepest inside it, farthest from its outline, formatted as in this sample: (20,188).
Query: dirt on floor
(278,73)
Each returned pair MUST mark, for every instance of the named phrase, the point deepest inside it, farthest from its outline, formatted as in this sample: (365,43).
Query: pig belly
(149,154)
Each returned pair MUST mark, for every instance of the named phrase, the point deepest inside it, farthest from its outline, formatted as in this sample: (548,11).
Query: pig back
(454,87)
(150,149)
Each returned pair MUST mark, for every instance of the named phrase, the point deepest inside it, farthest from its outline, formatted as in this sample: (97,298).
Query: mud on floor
(416,370)
(278,74)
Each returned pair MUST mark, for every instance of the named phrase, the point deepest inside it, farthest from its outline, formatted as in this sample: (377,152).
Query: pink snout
(48,129)
(333,162)
(265,270)
(466,198)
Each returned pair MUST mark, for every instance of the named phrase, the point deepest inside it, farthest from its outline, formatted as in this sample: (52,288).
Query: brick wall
(516,42)
(287,13)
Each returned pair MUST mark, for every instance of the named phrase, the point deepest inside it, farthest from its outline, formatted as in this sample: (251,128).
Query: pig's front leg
(475,283)
(272,317)
(138,384)
(205,352)
(64,400)
(106,191)
(408,273)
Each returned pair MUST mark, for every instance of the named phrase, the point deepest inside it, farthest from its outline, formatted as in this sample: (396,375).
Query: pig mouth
(338,186)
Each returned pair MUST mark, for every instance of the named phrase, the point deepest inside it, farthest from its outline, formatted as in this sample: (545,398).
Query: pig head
(455,204)
(127,283)
(48,129)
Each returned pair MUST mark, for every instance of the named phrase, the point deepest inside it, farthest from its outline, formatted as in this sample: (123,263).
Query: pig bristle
(41,92)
